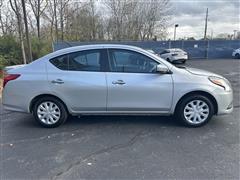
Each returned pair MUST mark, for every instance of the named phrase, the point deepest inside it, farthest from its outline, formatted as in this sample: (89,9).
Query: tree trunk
(38,28)
(55,17)
(27,33)
(2,24)
(23,51)
(20,31)
(61,19)
(61,22)
(20,28)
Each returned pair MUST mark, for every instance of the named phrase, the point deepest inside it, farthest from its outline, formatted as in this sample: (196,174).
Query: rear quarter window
(88,60)
(61,62)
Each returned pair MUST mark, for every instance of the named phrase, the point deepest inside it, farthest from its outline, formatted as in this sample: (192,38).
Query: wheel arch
(36,98)
(203,93)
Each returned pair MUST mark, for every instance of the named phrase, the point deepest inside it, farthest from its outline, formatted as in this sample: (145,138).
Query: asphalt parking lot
(135,147)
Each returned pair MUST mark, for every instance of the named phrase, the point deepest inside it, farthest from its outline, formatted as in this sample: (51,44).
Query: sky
(223,17)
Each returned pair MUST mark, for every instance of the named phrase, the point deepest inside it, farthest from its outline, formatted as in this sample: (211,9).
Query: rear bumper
(15,101)
(14,108)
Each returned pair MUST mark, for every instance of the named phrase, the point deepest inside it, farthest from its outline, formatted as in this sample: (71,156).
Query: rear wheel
(49,112)
(195,110)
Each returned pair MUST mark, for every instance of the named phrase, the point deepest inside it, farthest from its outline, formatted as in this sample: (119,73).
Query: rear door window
(88,60)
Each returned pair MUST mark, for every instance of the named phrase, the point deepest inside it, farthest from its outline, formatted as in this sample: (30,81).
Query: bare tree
(87,20)
(15,5)
(55,18)
(56,13)
(82,22)
(1,18)
(49,15)
(93,19)
(63,14)
(154,14)
(132,19)
(26,31)
(38,6)
(8,24)
(119,9)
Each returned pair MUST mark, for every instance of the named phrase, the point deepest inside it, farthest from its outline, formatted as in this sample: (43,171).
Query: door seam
(106,80)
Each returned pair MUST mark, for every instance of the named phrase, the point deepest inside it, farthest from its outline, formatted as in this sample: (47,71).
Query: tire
(201,116)
(49,112)
(168,60)
(237,56)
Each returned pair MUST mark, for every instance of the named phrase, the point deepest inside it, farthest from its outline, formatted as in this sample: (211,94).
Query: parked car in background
(236,53)
(174,55)
(114,79)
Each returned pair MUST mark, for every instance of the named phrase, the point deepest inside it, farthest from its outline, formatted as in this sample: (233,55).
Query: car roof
(89,47)
(98,46)
(94,46)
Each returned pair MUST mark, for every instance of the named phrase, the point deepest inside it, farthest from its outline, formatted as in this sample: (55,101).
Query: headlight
(220,82)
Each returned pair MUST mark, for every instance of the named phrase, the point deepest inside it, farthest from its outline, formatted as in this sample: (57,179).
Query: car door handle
(57,81)
(120,82)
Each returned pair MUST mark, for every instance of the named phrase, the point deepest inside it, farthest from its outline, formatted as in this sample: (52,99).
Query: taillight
(9,77)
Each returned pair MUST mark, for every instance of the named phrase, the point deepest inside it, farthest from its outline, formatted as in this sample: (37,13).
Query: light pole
(175,27)
(235,34)
(206,24)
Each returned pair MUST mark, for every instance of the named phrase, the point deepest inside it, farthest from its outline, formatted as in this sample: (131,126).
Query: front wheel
(49,112)
(195,110)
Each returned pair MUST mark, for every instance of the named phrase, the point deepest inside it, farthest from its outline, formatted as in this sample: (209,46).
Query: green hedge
(11,54)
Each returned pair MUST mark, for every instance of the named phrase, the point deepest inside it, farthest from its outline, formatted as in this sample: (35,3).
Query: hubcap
(196,111)
(48,113)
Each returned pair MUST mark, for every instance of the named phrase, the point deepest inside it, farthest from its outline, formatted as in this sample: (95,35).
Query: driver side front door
(135,86)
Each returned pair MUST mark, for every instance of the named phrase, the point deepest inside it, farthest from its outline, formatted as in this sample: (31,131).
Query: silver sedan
(114,79)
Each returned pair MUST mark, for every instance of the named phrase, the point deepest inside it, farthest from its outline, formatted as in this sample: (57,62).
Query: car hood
(200,72)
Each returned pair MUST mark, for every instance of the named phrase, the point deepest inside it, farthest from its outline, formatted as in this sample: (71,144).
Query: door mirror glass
(162,69)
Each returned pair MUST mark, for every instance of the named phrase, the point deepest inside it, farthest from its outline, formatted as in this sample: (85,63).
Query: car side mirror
(162,69)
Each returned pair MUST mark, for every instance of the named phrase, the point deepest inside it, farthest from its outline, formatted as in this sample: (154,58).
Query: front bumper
(225,101)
